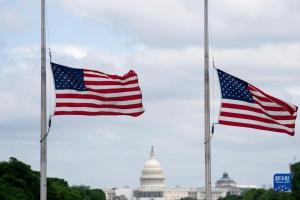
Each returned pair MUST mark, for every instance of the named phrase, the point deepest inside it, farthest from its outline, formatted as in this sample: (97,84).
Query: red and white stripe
(266,113)
(106,95)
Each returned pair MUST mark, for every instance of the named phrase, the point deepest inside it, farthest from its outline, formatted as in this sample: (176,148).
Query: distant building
(123,193)
(227,183)
(152,185)
(152,181)
(126,192)
(245,188)
(176,193)
(110,194)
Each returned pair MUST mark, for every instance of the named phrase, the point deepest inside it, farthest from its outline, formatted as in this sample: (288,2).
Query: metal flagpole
(43,156)
(207,107)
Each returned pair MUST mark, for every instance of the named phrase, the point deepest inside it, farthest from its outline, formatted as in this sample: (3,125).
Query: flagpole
(43,153)
(207,107)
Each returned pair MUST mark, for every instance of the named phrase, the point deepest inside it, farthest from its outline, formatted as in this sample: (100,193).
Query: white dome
(152,163)
(152,174)
(225,181)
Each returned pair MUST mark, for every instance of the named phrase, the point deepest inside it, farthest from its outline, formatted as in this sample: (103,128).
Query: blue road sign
(282,182)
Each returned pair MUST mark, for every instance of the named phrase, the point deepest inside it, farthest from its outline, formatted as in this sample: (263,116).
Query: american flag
(90,92)
(245,105)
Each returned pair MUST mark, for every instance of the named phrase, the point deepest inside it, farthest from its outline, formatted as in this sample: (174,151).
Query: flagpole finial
(152,152)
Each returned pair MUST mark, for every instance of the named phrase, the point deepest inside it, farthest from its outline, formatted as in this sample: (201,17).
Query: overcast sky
(258,41)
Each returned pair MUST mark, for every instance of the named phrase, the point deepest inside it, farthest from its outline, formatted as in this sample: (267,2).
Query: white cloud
(294,90)
(179,23)
(151,22)
(73,51)
(11,20)
(15,16)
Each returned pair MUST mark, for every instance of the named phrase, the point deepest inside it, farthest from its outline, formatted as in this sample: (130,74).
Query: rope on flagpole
(213,74)
(50,83)
(213,95)
(212,132)
(214,123)
(50,102)
(49,127)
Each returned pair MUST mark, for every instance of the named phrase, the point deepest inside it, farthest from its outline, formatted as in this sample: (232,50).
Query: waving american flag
(245,105)
(90,92)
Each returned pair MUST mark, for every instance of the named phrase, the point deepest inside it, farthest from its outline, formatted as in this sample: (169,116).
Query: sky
(258,41)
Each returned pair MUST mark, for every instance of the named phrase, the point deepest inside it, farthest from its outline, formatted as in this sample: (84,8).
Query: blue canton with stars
(234,88)
(67,78)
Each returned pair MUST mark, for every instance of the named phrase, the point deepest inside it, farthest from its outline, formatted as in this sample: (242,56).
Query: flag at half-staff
(90,92)
(245,105)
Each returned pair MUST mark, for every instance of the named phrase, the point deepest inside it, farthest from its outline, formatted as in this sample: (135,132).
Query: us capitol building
(152,187)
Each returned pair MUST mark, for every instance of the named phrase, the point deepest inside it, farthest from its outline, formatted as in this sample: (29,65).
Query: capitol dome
(225,181)
(152,174)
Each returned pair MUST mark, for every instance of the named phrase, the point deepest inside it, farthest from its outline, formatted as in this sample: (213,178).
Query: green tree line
(261,194)
(19,182)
